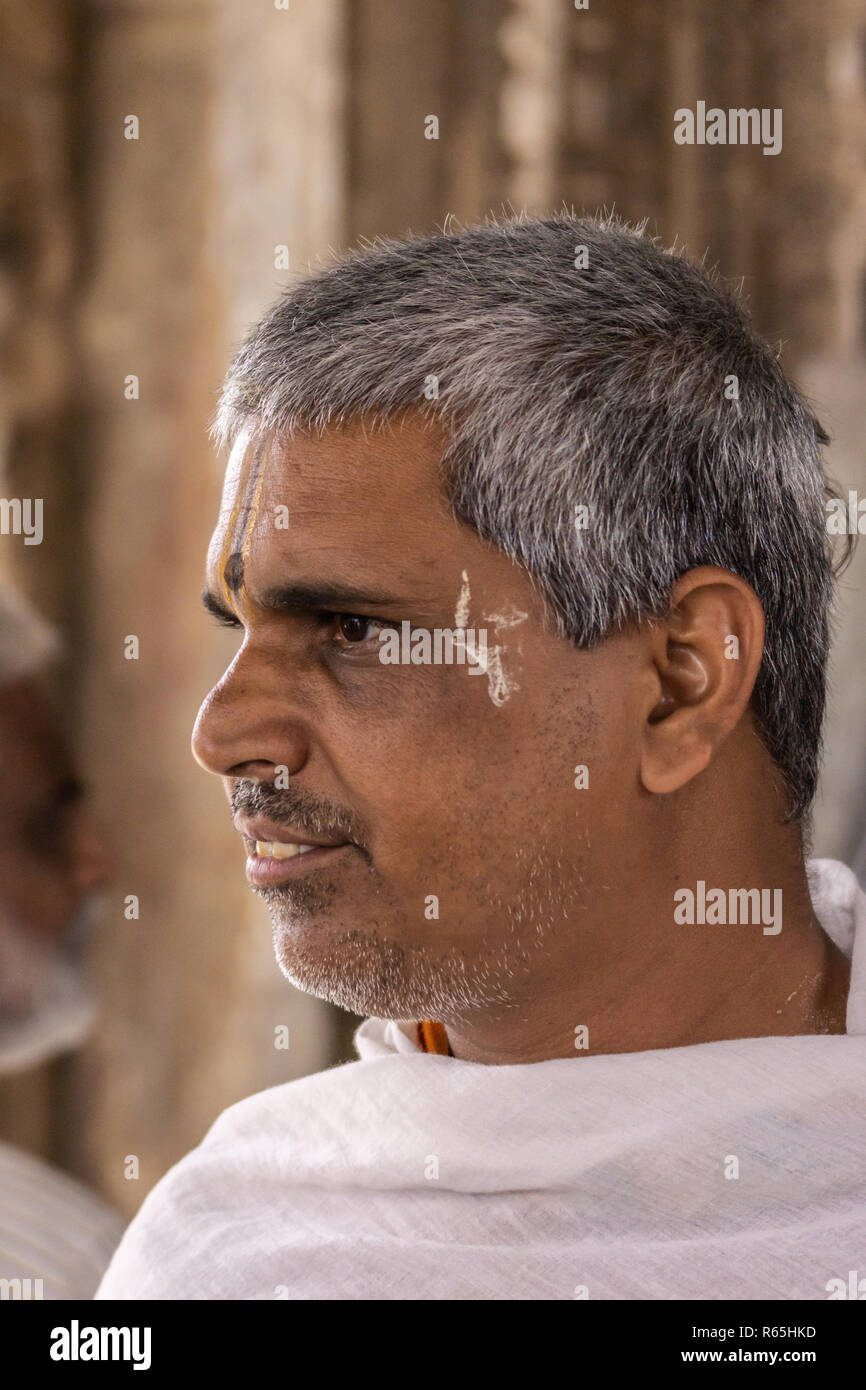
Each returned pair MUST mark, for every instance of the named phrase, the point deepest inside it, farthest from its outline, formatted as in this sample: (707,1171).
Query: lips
(293,861)
(276,853)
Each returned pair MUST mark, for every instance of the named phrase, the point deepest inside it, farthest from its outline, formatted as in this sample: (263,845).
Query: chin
(367,974)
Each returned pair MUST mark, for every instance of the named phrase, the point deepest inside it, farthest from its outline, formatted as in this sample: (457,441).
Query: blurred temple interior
(269,137)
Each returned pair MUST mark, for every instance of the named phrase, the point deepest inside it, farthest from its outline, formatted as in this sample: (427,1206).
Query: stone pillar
(404,65)
(233,156)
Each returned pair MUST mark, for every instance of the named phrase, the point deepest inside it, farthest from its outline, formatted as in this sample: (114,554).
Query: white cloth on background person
(56,1236)
(412,1176)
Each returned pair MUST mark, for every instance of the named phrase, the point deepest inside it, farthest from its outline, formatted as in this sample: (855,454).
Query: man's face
(453,843)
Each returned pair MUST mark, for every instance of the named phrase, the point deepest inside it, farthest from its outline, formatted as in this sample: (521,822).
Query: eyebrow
(306,598)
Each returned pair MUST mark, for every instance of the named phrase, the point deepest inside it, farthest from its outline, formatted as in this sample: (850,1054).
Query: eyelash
(324,617)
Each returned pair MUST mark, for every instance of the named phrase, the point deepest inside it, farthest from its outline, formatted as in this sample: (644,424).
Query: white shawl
(722,1170)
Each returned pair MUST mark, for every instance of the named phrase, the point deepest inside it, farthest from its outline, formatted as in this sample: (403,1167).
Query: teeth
(276,849)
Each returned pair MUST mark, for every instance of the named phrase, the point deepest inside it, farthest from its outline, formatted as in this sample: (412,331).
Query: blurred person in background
(52,865)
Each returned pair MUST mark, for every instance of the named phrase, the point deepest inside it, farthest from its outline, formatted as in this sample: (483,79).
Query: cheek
(465,780)
(436,768)
(542,772)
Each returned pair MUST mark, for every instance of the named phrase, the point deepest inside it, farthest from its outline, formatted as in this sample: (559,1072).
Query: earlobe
(671,758)
(706,656)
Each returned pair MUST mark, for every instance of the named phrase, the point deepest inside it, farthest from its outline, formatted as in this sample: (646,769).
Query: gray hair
(27,642)
(576,363)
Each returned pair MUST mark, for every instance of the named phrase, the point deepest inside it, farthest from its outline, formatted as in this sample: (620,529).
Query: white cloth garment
(413,1176)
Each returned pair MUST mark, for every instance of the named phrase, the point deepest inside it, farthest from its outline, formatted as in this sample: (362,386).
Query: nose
(250,723)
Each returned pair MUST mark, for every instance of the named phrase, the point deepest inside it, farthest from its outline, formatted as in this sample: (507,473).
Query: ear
(706,656)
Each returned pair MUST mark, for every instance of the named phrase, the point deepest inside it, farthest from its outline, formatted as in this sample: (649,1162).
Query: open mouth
(276,861)
(276,849)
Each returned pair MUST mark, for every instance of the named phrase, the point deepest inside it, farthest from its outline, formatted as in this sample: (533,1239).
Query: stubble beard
(366,971)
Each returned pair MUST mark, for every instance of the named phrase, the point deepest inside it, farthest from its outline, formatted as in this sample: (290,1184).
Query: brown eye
(353,628)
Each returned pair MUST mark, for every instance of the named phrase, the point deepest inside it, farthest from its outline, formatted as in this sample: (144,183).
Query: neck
(632,978)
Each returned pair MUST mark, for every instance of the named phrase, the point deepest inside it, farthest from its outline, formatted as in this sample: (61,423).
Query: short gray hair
(27,642)
(576,363)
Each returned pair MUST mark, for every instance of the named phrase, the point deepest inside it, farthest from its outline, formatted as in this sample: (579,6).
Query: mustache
(295,807)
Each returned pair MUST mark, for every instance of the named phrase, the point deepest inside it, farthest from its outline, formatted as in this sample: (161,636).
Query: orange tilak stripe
(254,511)
(433,1038)
(257,454)
(229,537)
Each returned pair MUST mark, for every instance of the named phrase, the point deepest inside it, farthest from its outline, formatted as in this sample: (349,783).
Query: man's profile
(575,867)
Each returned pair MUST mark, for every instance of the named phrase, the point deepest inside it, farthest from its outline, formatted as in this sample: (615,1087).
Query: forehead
(372,497)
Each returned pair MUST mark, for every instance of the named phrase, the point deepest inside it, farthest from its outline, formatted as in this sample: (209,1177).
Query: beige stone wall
(262,127)
(186,224)
(834,374)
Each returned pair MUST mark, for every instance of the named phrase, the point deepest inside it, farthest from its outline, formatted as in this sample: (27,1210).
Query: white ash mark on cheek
(461,612)
(513,618)
(500,686)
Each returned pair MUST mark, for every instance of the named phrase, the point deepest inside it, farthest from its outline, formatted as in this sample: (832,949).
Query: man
(56,1237)
(572,863)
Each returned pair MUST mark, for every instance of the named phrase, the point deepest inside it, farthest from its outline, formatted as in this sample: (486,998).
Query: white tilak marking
(512,619)
(499,687)
(461,612)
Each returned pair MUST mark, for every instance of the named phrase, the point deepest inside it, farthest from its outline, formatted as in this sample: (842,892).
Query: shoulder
(237,1178)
